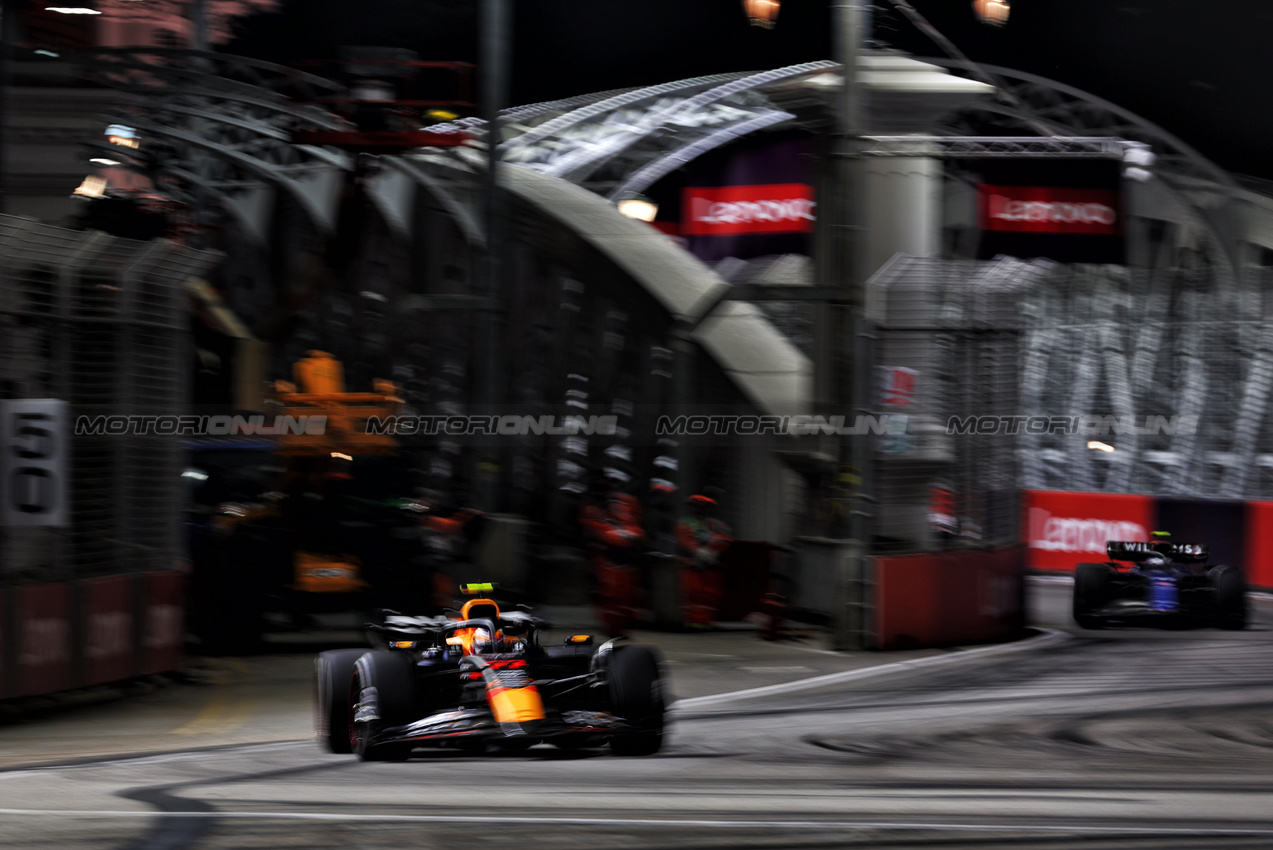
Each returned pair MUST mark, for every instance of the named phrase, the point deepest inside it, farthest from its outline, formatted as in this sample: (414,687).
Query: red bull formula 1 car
(1161,581)
(482,678)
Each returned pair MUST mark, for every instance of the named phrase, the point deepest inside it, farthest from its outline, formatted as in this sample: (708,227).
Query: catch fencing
(101,325)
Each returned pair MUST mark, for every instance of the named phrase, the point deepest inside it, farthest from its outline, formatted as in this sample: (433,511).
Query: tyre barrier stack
(65,635)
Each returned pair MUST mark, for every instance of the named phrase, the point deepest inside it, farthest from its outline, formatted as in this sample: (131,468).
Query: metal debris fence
(101,323)
(1034,375)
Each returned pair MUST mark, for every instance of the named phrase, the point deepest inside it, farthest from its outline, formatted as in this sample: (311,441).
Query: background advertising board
(1259,554)
(43,625)
(1063,529)
(752,199)
(1070,211)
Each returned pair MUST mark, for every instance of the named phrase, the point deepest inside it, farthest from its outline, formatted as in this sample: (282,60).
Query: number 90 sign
(32,462)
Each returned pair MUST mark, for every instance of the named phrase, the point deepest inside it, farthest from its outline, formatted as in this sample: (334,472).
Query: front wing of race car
(464,727)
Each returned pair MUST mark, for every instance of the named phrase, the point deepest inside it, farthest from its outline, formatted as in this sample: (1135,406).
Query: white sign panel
(33,462)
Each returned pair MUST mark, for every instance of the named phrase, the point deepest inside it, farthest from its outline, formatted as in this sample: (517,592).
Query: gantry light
(638,207)
(992,12)
(762,13)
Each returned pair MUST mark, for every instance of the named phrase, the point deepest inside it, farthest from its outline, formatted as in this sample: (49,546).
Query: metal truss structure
(220,129)
(1179,331)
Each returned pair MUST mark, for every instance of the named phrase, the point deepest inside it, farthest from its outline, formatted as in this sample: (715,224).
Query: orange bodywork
(324,574)
(510,693)
(321,381)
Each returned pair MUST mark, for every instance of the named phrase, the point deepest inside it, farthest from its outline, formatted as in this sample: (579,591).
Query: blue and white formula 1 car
(1161,581)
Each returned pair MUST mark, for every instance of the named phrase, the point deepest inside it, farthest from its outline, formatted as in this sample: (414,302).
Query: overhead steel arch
(225,122)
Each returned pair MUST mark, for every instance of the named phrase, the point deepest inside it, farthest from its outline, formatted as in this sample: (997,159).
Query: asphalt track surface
(1130,738)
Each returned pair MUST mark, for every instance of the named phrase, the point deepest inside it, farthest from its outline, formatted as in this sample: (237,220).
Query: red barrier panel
(43,617)
(163,621)
(108,624)
(6,647)
(949,598)
(1063,529)
(1259,555)
(906,601)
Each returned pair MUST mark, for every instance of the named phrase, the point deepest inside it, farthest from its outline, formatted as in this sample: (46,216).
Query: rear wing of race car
(1189,553)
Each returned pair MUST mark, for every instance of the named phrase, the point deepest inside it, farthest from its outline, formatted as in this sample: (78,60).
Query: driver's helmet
(1155,562)
(481,642)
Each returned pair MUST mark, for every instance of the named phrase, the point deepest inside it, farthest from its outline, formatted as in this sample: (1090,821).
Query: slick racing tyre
(1229,589)
(332,671)
(381,686)
(636,695)
(1090,582)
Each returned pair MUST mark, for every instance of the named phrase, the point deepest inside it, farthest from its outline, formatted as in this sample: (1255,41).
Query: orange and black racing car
(483,678)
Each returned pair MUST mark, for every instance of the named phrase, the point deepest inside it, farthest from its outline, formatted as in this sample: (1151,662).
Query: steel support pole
(199,24)
(849,371)
(8,35)
(494,72)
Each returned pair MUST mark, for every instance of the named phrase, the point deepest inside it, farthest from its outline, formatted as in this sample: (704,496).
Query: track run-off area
(1114,738)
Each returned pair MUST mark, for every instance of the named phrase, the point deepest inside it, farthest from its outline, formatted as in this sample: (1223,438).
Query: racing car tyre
(1230,597)
(1089,593)
(390,673)
(332,671)
(636,695)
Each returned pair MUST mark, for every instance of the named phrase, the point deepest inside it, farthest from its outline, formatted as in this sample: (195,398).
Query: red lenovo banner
(1068,211)
(1048,209)
(735,210)
(108,627)
(42,624)
(754,198)
(1063,529)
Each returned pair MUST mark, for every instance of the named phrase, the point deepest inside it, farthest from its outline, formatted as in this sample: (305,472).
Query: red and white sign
(42,624)
(1049,209)
(109,644)
(1063,529)
(733,210)
(163,628)
(897,385)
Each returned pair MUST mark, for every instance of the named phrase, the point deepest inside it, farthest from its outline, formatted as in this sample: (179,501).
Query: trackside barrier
(6,643)
(1064,528)
(949,598)
(59,636)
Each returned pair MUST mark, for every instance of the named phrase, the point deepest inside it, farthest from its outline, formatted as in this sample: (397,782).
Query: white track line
(1048,638)
(656,822)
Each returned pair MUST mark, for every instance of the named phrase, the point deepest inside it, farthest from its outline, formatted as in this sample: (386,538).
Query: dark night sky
(1198,68)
